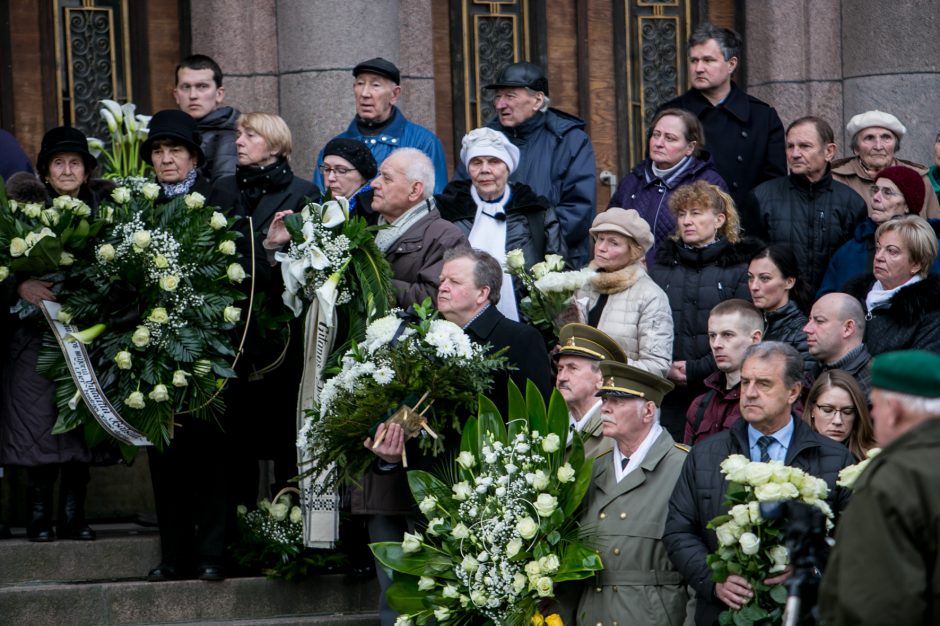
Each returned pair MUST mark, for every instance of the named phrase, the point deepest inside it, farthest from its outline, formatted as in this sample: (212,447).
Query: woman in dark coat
(676,158)
(778,291)
(189,474)
(269,371)
(497,216)
(702,264)
(901,297)
(348,169)
(28,411)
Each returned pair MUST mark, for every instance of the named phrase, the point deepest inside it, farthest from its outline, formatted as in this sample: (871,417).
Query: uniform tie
(624,462)
(764,444)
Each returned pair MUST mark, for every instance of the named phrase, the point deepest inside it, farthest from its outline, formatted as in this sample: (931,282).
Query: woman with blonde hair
(836,408)
(702,264)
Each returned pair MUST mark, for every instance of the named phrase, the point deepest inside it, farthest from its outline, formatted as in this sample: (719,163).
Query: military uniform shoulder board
(605,452)
(683,447)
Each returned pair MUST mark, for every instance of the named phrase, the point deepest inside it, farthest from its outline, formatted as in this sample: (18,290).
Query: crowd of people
(745,281)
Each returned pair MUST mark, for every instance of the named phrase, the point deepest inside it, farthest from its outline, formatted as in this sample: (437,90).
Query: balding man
(884,567)
(834,335)
(876,138)
(417,236)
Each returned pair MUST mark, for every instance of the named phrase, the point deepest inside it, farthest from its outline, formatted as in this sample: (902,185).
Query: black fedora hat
(64,139)
(521,75)
(177,126)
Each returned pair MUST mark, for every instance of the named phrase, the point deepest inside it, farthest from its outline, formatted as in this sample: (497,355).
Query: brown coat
(850,172)
(418,256)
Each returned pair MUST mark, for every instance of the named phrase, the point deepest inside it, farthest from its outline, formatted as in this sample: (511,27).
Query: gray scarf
(386,238)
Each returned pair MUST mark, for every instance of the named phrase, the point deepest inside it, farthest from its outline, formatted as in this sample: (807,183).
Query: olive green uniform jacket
(639,585)
(885,567)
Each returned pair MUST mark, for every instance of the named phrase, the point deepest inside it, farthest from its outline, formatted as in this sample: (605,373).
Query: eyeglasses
(326,170)
(885,191)
(830,411)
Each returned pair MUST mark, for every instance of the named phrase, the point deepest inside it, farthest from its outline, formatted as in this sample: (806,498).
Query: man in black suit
(467,295)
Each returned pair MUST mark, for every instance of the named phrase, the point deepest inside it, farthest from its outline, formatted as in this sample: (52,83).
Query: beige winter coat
(637,315)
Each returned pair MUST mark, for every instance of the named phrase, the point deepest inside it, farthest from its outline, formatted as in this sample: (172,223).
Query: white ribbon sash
(84,376)
(321,512)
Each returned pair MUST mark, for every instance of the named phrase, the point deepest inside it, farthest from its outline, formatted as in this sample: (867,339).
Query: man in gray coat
(627,505)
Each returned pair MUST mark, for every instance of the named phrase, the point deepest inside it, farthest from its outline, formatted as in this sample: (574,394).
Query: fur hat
(27,188)
(626,222)
(909,182)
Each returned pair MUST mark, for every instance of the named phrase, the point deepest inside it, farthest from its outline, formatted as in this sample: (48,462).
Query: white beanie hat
(876,118)
(489,142)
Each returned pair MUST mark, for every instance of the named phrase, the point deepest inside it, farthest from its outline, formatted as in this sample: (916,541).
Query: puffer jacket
(786,325)
(636,315)
(556,159)
(695,280)
(218,143)
(910,320)
(649,195)
(700,492)
(857,255)
(814,219)
(524,210)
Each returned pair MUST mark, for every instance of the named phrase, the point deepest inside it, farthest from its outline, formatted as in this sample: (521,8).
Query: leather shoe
(164,572)
(210,572)
(40,534)
(82,533)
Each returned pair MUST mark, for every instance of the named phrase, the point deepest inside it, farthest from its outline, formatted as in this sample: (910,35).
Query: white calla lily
(334,214)
(114,109)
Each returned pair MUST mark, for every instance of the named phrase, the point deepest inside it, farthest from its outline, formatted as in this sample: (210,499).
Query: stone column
(318,45)
(794,59)
(891,62)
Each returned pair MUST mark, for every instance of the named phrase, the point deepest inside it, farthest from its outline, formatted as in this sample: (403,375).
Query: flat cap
(521,75)
(625,381)
(586,341)
(875,118)
(379,66)
(914,372)
(627,222)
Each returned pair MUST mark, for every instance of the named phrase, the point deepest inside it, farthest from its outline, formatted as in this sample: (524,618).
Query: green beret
(625,381)
(586,341)
(914,372)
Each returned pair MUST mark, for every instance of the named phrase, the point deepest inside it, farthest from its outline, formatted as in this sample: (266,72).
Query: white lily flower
(333,214)
(108,118)
(114,109)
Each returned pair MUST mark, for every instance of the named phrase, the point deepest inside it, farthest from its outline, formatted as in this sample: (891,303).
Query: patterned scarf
(386,238)
(172,190)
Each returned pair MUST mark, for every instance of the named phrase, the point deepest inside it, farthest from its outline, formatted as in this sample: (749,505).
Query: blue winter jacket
(400,133)
(557,161)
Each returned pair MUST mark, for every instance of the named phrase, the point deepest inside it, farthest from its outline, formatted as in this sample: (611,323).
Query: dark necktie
(764,444)
(624,462)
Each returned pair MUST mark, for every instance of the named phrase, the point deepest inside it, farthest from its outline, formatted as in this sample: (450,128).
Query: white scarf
(387,237)
(879,296)
(489,234)
(637,458)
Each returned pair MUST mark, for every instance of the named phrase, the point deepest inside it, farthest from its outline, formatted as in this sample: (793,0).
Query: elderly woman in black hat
(189,475)
(348,168)
(28,408)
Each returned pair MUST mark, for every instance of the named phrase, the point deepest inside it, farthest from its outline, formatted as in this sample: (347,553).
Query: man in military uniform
(578,379)
(627,504)
(884,567)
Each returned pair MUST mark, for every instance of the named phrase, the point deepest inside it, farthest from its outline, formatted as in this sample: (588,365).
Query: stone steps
(101,583)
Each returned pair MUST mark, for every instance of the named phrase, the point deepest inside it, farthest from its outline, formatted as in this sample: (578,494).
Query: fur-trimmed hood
(615,282)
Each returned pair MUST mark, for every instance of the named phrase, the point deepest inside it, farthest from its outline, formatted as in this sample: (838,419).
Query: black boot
(72,490)
(39,486)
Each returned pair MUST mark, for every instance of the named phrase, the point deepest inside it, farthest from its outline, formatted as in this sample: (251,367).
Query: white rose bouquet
(271,540)
(39,240)
(500,530)
(848,475)
(750,546)
(157,288)
(549,290)
(400,359)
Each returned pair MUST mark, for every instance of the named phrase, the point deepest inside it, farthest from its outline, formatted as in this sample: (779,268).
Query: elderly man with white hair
(627,505)
(498,216)
(876,138)
(417,237)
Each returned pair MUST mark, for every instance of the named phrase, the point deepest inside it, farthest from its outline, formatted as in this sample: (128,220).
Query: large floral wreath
(157,302)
